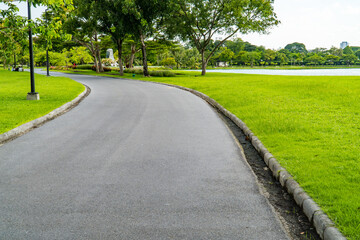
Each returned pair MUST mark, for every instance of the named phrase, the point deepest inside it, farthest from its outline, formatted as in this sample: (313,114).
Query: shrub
(88,67)
(106,69)
(156,73)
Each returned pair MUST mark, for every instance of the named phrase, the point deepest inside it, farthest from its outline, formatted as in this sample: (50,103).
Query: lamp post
(47,46)
(31,95)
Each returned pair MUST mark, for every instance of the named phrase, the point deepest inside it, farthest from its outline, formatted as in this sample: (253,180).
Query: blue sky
(316,23)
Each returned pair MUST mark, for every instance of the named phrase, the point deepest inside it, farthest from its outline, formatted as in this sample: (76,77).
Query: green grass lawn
(16,110)
(310,124)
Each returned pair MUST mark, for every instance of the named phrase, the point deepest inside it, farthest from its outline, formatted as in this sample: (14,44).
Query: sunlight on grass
(310,124)
(16,110)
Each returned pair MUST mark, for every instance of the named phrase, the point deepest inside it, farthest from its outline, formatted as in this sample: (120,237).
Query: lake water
(300,72)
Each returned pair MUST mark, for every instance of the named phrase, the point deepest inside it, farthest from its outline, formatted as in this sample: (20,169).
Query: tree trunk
(97,52)
(101,68)
(203,62)
(143,49)
(132,56)
(119,45)
(95,63)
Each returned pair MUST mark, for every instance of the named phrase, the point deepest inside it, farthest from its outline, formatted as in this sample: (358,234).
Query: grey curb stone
(291,185)
(332,233)
(267,157)
(310,208)
(324,226)
(283,177)
(321,222)
(275,167)
(300,196)
(18,131)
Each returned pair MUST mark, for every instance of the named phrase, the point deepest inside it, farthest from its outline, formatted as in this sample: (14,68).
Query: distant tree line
(172,33)
(134,26)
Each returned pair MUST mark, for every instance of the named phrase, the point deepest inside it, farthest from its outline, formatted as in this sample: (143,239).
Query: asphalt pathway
(134,160)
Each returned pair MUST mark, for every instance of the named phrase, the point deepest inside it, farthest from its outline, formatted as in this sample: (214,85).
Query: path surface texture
(134,160)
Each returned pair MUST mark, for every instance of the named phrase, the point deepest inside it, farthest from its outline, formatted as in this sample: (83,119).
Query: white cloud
(320,23)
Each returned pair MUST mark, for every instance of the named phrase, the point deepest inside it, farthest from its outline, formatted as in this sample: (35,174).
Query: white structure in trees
(344,45)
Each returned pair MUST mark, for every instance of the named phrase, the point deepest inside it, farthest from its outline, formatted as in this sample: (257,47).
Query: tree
(226,55)
(296,47)
(349,59)
(12,33)
(179,56)
(348,50)
(82,24)
(168,62)
(113,19)
(335,51)
(332,59)
(79,55)
(269,56)
(357,53)
(251,58)
(143,17)
(314,59)
(198,21)
(281,58)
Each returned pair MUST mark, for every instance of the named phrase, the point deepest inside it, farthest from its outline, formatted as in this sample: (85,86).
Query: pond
(298,72)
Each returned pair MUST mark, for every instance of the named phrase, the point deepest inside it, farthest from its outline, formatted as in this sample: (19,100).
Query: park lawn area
(310,124)
(16,110)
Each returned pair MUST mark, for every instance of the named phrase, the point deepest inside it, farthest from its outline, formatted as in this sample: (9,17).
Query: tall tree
(144,16)
(199,21)
(12,33)
(82,24)
(113,21)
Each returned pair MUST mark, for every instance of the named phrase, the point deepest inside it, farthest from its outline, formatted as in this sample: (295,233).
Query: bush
(106,69)
(156,73)
(88,67)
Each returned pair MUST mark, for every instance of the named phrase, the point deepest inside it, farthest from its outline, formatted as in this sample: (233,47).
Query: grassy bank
(310,124)
(16,110)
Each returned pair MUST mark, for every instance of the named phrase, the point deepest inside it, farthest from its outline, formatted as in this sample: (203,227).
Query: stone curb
(322,223)
(26,127)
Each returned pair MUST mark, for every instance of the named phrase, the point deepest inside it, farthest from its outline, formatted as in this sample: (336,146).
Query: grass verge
(16,110)
(309,123)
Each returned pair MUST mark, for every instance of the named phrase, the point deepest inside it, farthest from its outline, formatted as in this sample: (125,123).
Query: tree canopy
(200,21)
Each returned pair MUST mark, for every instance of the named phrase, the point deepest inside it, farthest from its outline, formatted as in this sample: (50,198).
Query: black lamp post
(47,49)
(31,95)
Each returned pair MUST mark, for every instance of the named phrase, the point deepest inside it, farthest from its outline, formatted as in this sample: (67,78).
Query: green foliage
(198,21)
(168,62)
(348,50)
(226,55)
(85,67)
(250,58)
(296,47)
(79,55)
(106,69)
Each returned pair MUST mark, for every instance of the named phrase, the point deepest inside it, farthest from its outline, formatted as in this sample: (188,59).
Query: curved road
(134,160)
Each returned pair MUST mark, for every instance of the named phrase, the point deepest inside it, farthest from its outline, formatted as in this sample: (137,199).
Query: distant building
(344,45)
(222,64)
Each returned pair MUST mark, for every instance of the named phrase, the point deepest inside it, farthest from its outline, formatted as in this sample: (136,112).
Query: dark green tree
(296,47)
